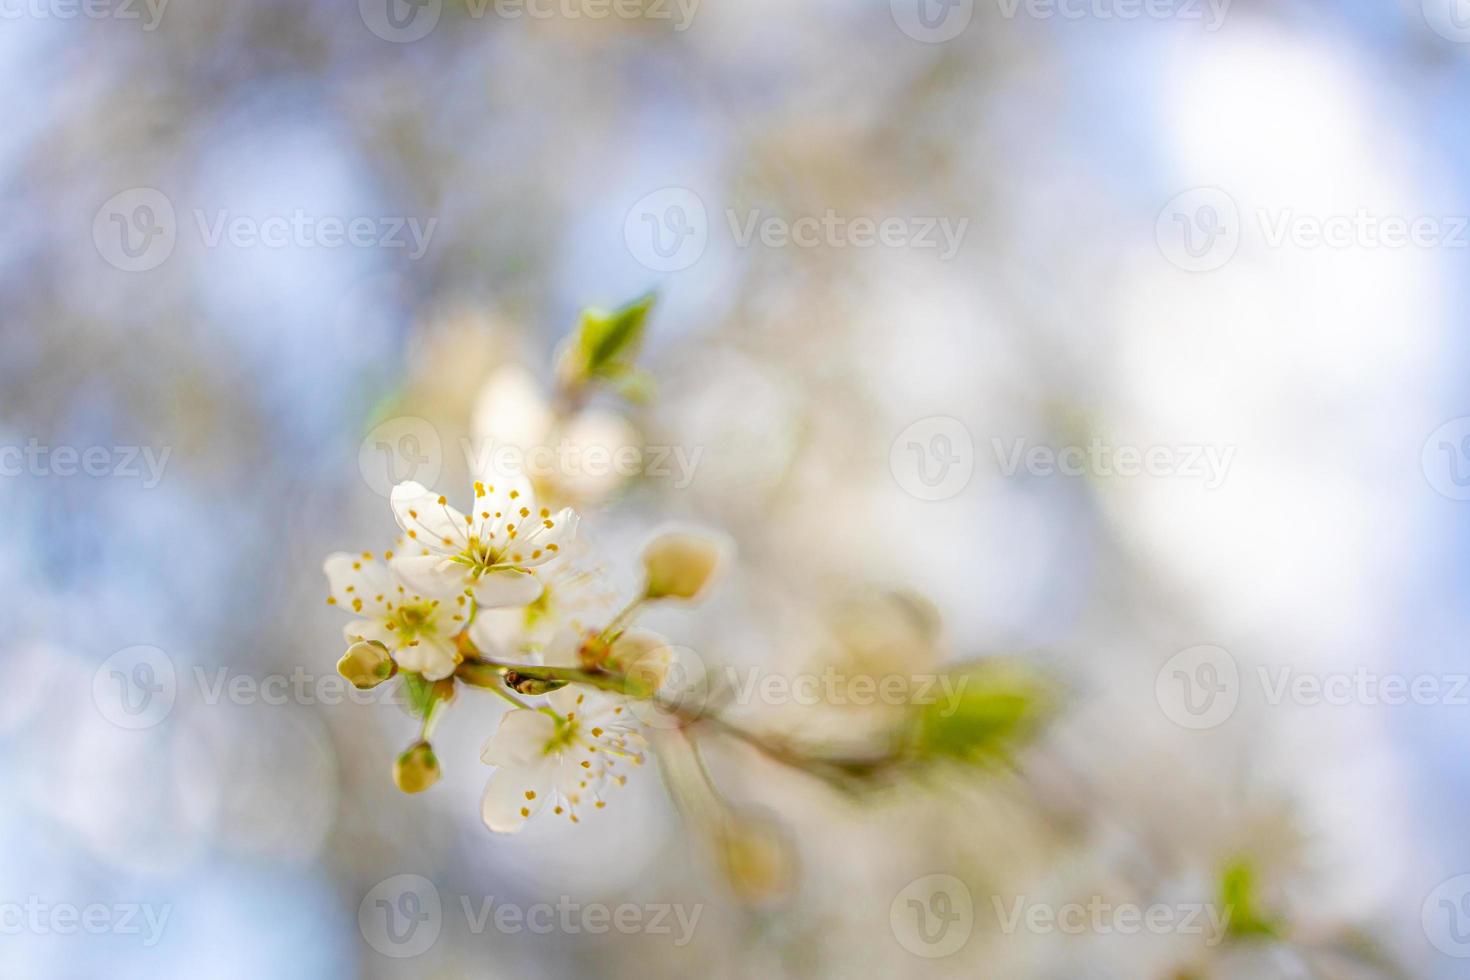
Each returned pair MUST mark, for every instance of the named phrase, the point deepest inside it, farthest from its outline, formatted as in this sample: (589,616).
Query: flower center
(480,555)
(414,619)
(564,737)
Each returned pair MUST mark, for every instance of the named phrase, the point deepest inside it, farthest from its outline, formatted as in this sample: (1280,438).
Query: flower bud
(522,684)
(416,769)
(757,857)
(680,564)
(643,657)
(444,690)
(366,664)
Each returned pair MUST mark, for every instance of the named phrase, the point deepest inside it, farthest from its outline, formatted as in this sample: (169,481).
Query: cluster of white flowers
(566,753)
(416,600)
(495,596)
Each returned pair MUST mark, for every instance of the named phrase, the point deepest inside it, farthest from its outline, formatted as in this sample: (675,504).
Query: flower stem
(625,614)
(478,670)
(432,715)
(483,672)
(501,690)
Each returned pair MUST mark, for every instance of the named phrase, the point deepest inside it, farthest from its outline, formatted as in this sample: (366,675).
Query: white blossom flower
(487,553)
(576,593)
(564,756)
(418,630)
(513,412)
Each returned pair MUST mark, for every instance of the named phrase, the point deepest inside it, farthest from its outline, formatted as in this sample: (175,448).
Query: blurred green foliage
(604,346)
(987,711)
(1239,895)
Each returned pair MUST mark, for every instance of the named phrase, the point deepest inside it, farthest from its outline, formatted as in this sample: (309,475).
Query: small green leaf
(418,693)
(607,341)
(632,383)
(615,337)
(1239,898)
(981,713)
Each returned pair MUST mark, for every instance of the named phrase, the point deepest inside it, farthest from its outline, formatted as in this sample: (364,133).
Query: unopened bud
(416,769)
(443,689)
(522,684)
(757,858)
(366,664)
(680,564)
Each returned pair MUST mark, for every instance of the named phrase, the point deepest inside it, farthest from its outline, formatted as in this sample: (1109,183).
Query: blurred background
(1123,340)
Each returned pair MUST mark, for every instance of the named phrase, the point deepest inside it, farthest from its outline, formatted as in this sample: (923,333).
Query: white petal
(514,794)
(428,520)
(432,656)
(499,499)
(506,587)
(520,740)
(369,629)
(431,576)
(643,654)
(450,614)
(545,539)
(358,583)
(586,702)
(498,633)
(575,780)
(563,648)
